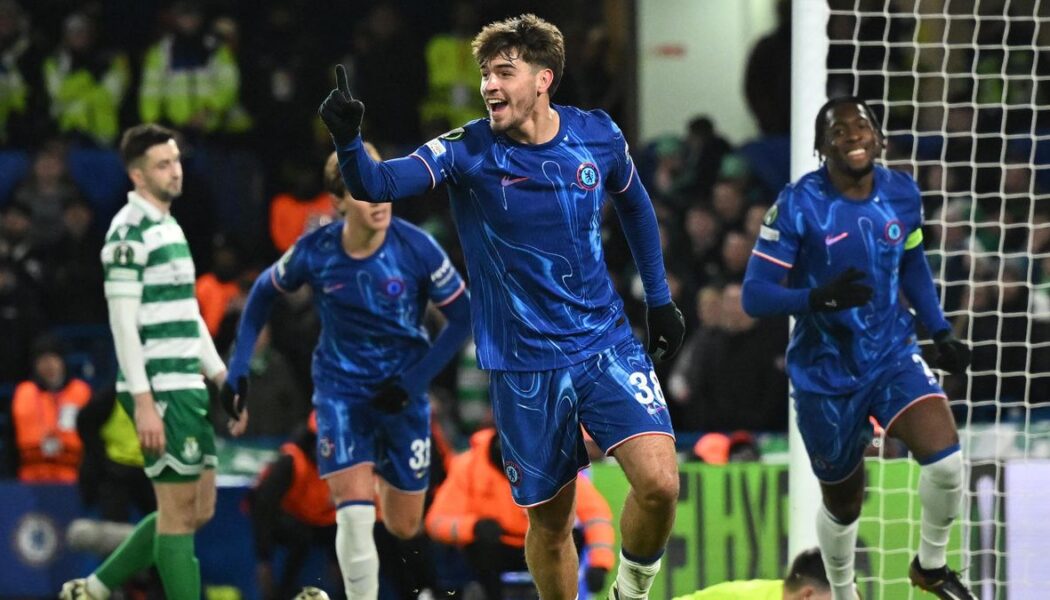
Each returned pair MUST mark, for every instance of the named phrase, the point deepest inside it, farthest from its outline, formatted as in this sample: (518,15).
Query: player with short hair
(527,186)
(162,347)
(805,580)
(836,251)
(371,275)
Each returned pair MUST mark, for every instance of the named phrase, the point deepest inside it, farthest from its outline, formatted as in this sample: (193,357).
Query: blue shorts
(351,432)
(836,429)
(614,394)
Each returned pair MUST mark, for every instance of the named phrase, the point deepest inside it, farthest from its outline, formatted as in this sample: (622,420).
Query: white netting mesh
(963,89)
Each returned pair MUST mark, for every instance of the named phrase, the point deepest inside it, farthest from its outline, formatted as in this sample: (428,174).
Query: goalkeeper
(371,276)
(835,251)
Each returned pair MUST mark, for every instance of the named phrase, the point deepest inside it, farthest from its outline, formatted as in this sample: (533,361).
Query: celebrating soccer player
(162,346)
(371,276)
(835,251)
(527,186)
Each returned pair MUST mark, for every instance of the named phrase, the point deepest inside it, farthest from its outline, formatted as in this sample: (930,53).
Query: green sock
(179,570)
(133,555)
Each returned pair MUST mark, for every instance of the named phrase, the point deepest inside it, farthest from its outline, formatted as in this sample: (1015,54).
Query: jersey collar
(151,211)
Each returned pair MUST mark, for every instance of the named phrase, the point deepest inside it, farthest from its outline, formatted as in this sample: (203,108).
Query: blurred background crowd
(242,81)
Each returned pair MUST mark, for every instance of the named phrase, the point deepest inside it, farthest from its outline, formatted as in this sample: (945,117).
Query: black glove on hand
(842,292)
(234,399)
(391,397)
(487,531)
(666,328)
(953,355)
(595,579)
(340,112)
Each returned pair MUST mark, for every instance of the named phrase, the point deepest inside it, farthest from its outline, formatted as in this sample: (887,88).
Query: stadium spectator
(301,208)
(190,78)
(737,378)
(452,74)
(704,149)
(17,245)
(46,191)
(44,412)
(22,118)
(768,77)
(85,84)
(217,288)
(683,378)
(21,320)
(384,40)
(805,580)
(474,509)
(72,269)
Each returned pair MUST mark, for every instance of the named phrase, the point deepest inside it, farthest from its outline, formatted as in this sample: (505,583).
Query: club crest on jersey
(587,176)
(513,472)
(394,287)
(894,233)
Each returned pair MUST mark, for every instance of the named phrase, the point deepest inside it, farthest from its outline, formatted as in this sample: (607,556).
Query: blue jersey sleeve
(622,174)
(291,270)
(444,281)
(780,236)
(380,181)
(439,156)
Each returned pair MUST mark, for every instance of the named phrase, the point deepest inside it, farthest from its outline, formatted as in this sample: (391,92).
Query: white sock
(633,580)
(940,491)
(838,544)
(356,549)
(95,587)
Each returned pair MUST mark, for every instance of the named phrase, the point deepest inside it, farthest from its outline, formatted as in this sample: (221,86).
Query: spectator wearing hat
(44,411)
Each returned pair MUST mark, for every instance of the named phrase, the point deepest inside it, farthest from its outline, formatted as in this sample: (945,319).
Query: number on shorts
(421,454)
(648,389)
(925,368)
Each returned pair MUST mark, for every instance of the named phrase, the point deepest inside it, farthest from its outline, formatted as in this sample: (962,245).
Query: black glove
(487,531)
(842,292)
(595,579)
(390,397)
(953,355)
(340,112)
(666,328)
(234,399)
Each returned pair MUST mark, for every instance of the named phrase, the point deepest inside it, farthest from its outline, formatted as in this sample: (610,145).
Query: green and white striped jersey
(146,256)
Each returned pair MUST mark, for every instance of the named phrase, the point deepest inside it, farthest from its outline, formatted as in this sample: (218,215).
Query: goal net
(963,92)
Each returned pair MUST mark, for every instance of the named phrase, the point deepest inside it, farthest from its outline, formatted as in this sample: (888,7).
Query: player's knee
(846,510)
(403,527)
(658,491)
(946,473)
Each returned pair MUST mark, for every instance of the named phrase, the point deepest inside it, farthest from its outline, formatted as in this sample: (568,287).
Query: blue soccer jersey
(817,234)
(529,219)
(371,309)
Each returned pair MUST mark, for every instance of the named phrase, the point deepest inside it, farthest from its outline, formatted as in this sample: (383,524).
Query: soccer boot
(75,589)
(943,582)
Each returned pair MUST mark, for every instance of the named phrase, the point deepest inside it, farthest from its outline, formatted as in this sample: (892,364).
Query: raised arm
(365,178)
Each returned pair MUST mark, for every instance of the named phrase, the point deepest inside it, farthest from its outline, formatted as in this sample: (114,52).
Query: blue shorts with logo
(836,429)
(614,394)
(351,432)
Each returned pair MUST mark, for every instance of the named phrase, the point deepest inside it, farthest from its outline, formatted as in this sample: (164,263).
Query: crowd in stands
(241,82)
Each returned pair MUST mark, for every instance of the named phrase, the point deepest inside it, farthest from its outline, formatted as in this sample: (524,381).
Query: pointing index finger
(341,81)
